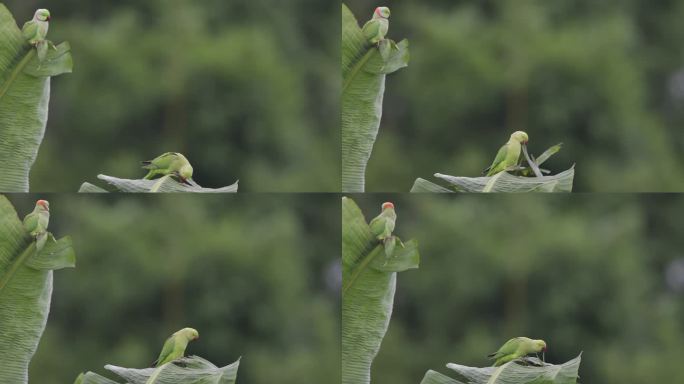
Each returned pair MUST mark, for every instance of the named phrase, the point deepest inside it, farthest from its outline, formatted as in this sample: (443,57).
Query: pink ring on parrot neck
(377,11)
(387,205)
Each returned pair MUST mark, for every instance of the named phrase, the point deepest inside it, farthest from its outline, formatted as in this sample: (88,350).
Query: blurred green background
(605,78)
(598,274)
(247,89)
(258,277)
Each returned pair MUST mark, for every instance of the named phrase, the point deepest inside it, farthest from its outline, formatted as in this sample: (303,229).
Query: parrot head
(540,345)
(381,13)
(387,205)
(185,172)
(43,204)
(189,333)
(42,15)
(520,137)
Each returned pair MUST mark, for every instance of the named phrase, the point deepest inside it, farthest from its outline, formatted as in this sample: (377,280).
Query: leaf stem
(493,379)
(156,374)
(492,182)
(19,68)
(532,164)
(364,263)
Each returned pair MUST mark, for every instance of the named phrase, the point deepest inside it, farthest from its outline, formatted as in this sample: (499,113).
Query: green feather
(375,30)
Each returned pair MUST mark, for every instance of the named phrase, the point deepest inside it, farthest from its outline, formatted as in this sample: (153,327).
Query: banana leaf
(364,68)
(25,291)
(369,279)
(165,184)
(24,100)
(189,370)
(510,373)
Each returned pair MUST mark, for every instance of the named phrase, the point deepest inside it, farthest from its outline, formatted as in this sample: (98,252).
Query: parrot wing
(162,161)
(509,348)
(31,222)
(167,350)
(29,30)
(371,29)
(500,157)
(376,225)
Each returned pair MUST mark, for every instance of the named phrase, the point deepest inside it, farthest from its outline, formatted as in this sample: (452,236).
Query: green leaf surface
(509,373)
(58,61)
(161,185)
(25,291)
(433,377)
(189,370)
(548,153)
(93,378)
(369,282)
(424,186)
(57,254)
(91,188)
(364,67)
(402,259)
(505,182)
(24,99)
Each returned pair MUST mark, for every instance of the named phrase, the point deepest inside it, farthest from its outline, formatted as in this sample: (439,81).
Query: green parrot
(174,347)
(383,225)
(36,222)
(36,30)
(508,154)
(516,348)
(170,163)
(376,28)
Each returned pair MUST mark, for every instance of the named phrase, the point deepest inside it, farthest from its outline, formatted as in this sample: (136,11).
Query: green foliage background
(585,273)
(246,89)
(599,76)
(258,276)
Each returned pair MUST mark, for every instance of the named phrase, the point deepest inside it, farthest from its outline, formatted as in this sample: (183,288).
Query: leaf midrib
(497,373)
(156,374)
(14,267)
(15,73)
(354,71)
(361,268)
